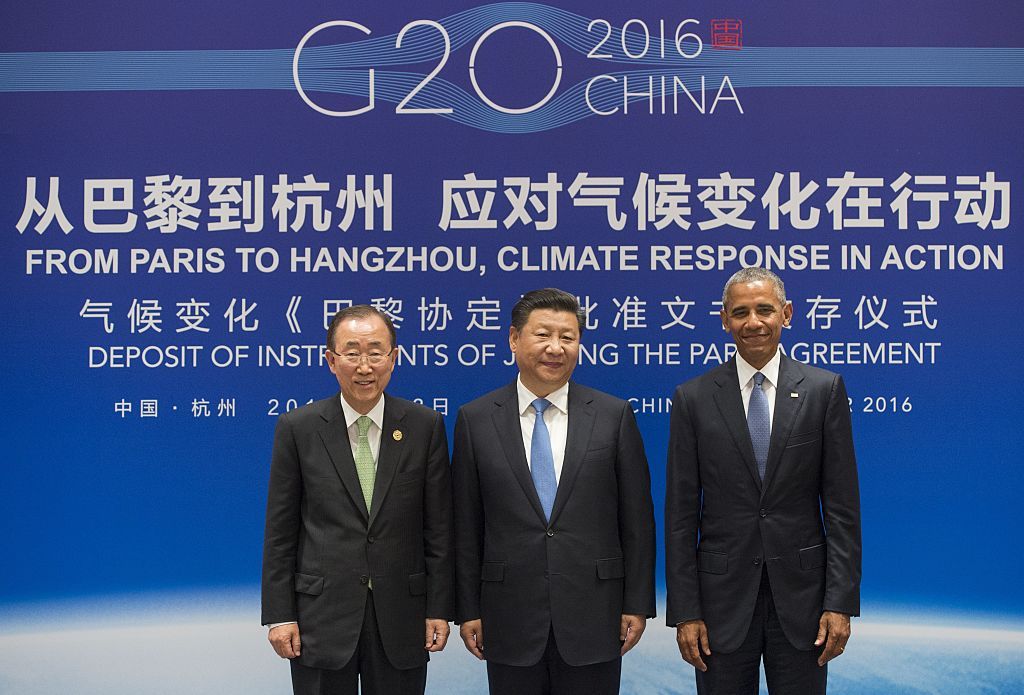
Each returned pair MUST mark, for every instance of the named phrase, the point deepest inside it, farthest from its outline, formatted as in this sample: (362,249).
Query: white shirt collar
(558,398)
(771,370)
(376,413)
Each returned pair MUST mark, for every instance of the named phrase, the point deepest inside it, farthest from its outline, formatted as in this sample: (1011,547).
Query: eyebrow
(744,307)
(355,343)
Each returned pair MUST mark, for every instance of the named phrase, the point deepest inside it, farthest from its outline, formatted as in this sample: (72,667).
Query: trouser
(552,676)
(368,664)
(788,670)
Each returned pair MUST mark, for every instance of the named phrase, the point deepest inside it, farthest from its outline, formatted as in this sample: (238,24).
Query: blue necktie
(542,462)
(759,423)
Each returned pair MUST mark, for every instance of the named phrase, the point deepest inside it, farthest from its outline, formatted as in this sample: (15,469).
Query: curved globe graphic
(211,643)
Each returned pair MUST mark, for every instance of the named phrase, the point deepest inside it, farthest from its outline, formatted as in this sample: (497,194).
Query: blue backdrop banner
(189,191)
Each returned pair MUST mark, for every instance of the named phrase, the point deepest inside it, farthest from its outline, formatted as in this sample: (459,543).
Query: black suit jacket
(802,523)
(577,574)
(321,547)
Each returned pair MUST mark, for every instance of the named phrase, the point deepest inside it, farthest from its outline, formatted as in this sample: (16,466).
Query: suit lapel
(334,434)
(581,423)
(730,405)
(389,455)
(786,410)
(510,433)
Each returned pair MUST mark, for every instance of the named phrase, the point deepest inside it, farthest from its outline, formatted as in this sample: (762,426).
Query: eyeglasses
(374,359)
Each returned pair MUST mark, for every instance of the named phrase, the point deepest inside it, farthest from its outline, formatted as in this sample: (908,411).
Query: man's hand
(631,628)
(834,633)
(285,640)
(692,639)
(437,634)
(472,633)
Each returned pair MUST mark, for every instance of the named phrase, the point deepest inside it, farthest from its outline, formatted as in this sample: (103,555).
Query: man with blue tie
(762,509)
(554,526)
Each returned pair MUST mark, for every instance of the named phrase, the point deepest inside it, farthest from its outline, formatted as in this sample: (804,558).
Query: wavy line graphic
(343,68)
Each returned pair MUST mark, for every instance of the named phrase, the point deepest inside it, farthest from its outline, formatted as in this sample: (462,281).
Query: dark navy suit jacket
(724,526)
(321,549)
(577,574)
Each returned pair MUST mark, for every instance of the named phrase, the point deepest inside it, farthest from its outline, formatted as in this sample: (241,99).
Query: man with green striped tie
(357,575)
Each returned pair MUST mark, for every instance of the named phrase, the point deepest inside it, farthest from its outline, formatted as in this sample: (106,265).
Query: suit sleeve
(437,525)
(840,506)
(281,535)
(682,516)
(469,523)
(636,519)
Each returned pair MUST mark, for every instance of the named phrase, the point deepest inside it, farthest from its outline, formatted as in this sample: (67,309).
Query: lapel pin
(794,394)
(397,435)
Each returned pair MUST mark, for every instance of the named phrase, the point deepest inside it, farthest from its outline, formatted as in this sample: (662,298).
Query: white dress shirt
(556,417)
(376,416)
(746,373)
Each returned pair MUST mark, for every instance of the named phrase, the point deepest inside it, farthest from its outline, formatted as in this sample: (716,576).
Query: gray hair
(755,274)
(360,311)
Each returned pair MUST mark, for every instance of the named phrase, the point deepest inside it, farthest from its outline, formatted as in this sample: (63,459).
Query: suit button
(551,532)
(757,560)
(370,539)
(364,579)
(763,513)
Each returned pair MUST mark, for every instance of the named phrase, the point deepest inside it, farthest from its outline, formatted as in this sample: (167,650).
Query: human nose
(363,365)
(554,345)
(752,321)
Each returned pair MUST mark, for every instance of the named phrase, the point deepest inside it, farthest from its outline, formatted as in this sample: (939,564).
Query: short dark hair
(547,298)
(360,311)
(746,276)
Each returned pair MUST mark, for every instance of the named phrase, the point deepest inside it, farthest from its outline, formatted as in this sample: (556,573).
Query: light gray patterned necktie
(759,423)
